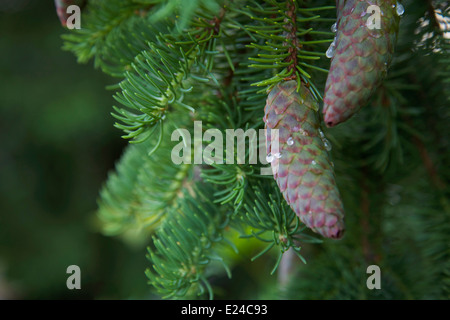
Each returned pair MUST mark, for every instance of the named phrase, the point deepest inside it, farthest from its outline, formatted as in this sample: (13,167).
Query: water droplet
(400,9)
(330,52)
(334,27)
(321,134)
(385,69)
(332,164)
(290,141)
(325,141)
(313,163)
(269,158)
(331,49)
(277,155)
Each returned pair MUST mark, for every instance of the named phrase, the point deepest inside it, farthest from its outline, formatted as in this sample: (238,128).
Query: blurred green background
(57,146)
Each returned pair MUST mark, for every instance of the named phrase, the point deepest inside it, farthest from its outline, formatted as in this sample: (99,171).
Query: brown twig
(291,35)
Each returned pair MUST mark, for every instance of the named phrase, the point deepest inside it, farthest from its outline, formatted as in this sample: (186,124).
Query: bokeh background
(57,146)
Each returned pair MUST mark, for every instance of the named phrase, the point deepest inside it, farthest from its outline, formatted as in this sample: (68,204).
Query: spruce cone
(361,58)
(302,168)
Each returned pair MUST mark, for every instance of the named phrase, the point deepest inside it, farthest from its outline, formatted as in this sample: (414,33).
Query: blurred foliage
(57,146)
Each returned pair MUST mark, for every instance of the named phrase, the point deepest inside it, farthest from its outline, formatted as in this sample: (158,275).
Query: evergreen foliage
(214,61)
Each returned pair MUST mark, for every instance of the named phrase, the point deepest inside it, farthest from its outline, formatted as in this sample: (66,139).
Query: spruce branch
(184,246)
(272,221)
(215,61)
(101,19)
(281,34)
(163,75)
(142,192)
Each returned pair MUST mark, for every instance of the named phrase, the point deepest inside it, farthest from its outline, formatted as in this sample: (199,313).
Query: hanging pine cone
(362,54)
(302,167)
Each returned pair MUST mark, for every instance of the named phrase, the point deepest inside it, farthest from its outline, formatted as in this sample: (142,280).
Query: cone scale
(301,165)
(363,48)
